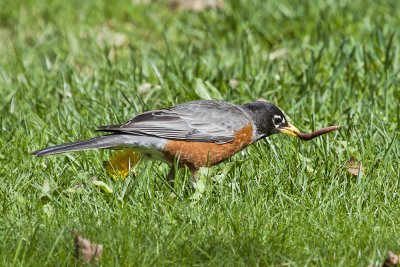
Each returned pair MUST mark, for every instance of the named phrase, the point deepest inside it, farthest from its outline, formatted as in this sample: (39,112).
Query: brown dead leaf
(86,250)
(147,87)
(234,83)
(277,54)
(391,260)
(196,5)
(355,167)
(107,36)
(144,88)
(143,2)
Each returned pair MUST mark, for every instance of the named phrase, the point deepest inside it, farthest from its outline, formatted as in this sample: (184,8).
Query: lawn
(69,66)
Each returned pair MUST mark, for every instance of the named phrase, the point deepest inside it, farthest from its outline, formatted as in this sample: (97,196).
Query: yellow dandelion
(119,164)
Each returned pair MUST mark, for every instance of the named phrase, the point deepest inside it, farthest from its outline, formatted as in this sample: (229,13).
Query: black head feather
(267,117)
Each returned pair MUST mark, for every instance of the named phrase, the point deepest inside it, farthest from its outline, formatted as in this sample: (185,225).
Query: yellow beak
(289,130)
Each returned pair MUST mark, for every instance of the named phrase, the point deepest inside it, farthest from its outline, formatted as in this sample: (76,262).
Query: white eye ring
(278,117)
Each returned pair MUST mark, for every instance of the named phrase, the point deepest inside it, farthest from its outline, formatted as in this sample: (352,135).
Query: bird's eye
(277,120)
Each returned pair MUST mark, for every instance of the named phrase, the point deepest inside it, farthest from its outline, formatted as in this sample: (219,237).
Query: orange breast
(200,154)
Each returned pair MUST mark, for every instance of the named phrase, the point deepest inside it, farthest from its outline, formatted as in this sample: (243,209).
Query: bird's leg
(171,175)
(193,178)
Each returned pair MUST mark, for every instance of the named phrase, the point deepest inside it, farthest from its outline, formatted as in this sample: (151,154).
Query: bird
(200,133)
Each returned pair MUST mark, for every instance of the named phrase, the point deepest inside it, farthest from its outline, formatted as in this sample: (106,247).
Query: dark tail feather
(107,141)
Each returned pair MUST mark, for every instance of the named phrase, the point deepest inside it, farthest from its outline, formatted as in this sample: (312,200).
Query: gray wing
(200,121)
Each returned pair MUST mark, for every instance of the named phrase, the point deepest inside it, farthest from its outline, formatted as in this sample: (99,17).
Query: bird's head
(269,119)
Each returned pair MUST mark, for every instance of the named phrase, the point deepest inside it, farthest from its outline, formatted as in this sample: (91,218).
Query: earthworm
(312,135)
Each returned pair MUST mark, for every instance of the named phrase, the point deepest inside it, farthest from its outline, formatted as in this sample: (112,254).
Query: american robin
(197,134)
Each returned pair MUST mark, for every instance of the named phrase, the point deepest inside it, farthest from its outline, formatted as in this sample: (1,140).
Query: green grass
(69,66)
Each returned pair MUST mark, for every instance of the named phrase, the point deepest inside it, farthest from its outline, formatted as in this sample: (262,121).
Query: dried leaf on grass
(355,167)
(390,261)
(106,35)
(147,87)
(196,5)
(234,83)
(86,250)
(277,54)
(143,2)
